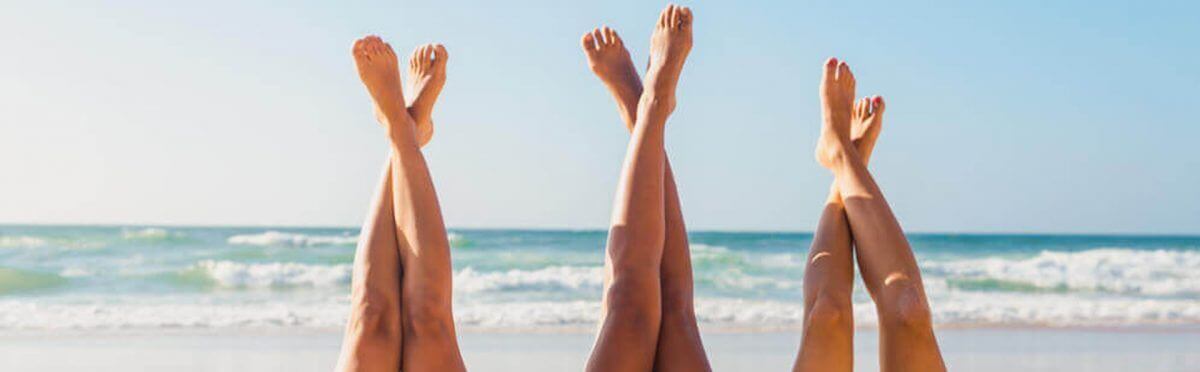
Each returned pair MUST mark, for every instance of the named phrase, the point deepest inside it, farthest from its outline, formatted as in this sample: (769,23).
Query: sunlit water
(54,277)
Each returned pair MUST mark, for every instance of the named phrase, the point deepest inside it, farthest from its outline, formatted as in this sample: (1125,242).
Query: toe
(877,105)
(616,39)
(844,73)
(860,107)
(424,58)
(588,42)
(599,37)
(674,20)
(664,16)
(685,16)
(440,54)
(608,36)
(831,65)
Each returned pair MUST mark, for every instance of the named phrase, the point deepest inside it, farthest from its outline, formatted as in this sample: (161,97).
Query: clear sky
(1016,116)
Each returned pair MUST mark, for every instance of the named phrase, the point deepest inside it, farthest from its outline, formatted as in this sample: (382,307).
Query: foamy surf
(157,277)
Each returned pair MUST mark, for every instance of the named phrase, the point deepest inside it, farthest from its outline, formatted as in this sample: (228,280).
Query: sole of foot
(669,48)
(426,77)
(837,102)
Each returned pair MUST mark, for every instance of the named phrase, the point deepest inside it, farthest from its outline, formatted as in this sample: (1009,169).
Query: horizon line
(603,229)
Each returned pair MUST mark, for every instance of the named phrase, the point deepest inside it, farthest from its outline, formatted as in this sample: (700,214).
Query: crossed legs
(422,315)
(679,345)
(635,291)
(888,266)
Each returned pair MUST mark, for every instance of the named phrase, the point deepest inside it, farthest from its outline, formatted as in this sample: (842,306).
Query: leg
(632,310)
(679,344)
(427,319)
(828,340)
(888,266)
(373,335)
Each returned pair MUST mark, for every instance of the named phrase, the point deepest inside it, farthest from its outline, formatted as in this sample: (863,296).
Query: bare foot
(837,100)
(669,47)
(378,70)
(426,77)
(610,61)
(865,123)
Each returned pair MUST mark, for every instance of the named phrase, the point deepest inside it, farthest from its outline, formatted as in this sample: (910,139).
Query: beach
(275,298)
(980,350)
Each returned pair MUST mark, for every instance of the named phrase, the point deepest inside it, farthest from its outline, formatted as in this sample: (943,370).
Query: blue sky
(1023,116)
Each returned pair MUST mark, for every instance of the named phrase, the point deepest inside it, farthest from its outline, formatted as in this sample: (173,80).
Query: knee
(428,321)
(830,312)
(905,306)
(376,319)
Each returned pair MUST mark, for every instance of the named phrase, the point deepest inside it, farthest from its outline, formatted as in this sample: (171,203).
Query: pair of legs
(856,214)
(648,319)
(401,316)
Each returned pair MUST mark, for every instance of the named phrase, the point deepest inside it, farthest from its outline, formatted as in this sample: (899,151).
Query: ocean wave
(973,310)
(138,315)
(14,281)
(227,274)
(151,234)
(1154,273)
(457,240)
(21,241)
(278,238)
(555,278)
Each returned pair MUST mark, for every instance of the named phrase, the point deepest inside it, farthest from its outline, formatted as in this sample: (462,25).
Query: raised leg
(679,344)
(887,263)
(427,319)
(632,310)
(828,340)
(373,336)
(373,340)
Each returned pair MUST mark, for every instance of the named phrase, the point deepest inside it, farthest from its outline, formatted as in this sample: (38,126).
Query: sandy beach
(965,350)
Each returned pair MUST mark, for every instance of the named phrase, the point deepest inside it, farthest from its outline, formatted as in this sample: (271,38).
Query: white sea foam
(279,238)
(140,314)
(555,278)
(21,241)
(270,238)
(1160,272)
(149,233)
(267,275)
(330,312)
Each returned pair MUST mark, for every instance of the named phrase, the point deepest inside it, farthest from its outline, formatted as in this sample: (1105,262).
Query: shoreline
(282,349)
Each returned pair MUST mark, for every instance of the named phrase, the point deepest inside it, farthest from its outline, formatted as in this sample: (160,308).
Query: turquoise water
(169,277)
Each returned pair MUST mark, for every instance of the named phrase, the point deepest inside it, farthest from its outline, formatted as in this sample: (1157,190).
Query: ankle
(655,101)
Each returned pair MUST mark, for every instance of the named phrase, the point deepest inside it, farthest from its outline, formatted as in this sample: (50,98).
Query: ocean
(115,278)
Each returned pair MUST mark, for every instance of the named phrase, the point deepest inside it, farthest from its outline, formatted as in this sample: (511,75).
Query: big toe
(588,42)
(440,55)
(830,72)
(685,17)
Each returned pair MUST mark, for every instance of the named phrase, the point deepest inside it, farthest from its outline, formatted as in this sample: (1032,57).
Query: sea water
(70,277)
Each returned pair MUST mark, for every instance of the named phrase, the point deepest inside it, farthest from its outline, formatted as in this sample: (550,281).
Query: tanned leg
(679,344)
(427,319)
(373,336)
(828,340)
(632,304)
(887,263)
(373,340)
